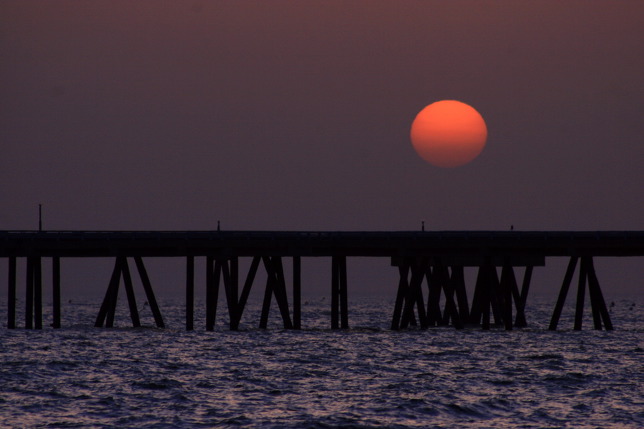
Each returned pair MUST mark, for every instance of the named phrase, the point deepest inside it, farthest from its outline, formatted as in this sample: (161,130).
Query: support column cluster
(587,276)
(448,281)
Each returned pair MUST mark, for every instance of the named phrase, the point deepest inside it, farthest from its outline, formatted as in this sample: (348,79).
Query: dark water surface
(367,376)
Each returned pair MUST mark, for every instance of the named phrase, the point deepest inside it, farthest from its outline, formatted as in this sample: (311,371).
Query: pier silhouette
(429,263)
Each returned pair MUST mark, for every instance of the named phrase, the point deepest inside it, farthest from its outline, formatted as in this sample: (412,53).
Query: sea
(364,377)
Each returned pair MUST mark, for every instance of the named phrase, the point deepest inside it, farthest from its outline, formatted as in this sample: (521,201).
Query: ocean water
(367,376)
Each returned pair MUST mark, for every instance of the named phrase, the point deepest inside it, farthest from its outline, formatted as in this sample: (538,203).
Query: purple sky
(296,115)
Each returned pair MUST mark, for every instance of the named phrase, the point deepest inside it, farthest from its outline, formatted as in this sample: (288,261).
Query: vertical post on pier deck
(29,295)
(55,269)
(297,293)
(11,292)
(190,292)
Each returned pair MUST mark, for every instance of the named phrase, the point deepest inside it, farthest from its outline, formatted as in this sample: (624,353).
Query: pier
(431,290)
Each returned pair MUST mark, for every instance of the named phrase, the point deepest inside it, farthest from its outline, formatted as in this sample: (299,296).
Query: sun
(448,133)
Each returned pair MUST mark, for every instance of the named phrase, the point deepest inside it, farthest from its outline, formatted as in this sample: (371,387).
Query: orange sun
(448,133)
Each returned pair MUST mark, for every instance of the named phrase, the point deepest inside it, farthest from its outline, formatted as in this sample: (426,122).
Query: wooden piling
(107,300)
(339,302)
(248,284)
(508,284)
(335,292)
(476,310)
(55,269)
(434,313)
(486,294)
(407,317)
(495,296)
(414,296)
(451,311)
(458,281)
(297,293)
(592,294)
(268,293)
(11,294)
(563,292)
(600,312)
(403,269)
(129,292)
(275,285)
(229,270)
(280,292)
(210,319)
(233,288)
(29,294)
(418,275)
(344,305)
(213,275)
(37,292)
(113,291)
(581,290)
(149,292)
(520,320)
(190,292)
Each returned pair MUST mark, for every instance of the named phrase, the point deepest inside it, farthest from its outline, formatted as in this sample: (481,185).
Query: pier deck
(431,258)
(318,243)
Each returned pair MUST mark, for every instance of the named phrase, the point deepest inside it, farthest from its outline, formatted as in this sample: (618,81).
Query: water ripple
(81,376)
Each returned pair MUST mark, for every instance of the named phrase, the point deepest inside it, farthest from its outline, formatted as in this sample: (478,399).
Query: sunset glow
(448,133)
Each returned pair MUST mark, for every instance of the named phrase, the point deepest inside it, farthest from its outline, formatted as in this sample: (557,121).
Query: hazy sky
(295,115)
